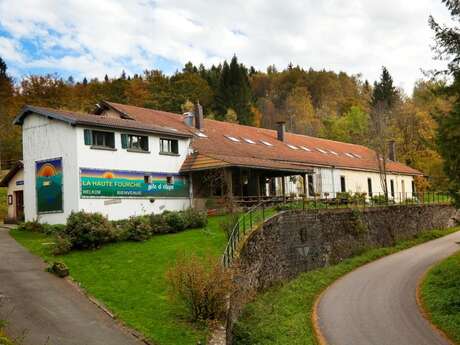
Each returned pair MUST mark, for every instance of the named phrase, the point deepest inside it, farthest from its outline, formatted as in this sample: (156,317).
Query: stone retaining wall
(292,242)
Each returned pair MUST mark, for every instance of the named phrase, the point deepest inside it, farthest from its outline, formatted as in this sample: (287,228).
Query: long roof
(214,146)
(296,149)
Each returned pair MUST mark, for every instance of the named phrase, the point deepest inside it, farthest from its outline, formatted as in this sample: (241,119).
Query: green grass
(129,278)
(440,293)
(3,203)
(282,315)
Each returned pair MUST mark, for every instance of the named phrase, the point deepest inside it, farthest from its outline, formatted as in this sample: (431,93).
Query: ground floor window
(392,188)
(369,186)
(343,186)
(311,186)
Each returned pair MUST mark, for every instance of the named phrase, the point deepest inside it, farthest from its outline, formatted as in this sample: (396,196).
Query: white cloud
(104,36)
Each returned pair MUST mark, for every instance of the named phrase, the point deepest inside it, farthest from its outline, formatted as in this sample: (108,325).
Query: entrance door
(19,196)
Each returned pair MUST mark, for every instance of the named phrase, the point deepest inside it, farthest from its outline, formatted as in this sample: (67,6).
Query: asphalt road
(43,309)
(376,304)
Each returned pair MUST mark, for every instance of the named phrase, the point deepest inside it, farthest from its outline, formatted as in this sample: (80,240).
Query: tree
(448,138)
(300,113)
(383,102)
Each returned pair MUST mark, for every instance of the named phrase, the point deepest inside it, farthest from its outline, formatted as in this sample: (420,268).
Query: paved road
(376,304)
(48,309)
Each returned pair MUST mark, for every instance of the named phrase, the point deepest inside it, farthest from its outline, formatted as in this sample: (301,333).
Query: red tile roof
(217,145)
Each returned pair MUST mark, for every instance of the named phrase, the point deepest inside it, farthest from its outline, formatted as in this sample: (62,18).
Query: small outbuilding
(14,182)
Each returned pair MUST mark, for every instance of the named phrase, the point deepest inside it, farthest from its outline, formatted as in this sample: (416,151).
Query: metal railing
(267,207)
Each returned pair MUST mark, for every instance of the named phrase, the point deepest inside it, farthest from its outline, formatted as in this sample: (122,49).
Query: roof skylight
(201,135)
(249,141)
(356,155)
(321,150)
(266,143)
(349,155)
(333,152)
(305,148)
(292,147)
(229,137)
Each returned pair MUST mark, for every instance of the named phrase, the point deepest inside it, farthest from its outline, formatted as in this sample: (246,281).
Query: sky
(93,38)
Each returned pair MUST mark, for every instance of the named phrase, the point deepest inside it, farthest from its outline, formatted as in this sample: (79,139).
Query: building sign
(20,183)
(131,184)
(48,180)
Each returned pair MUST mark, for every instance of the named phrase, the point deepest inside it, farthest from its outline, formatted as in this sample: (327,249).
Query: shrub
(138,228)
(379,199)
(88,230)
(201,286)
(33,226)
(62,245)
(176,220)
(159,225)
(55,229)
(196,219)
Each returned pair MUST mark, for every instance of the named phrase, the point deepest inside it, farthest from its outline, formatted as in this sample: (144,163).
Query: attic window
(232,138)
(333,152)
(292,147)
(305,148)
(249,141)
(321,150)
(266,143)
(201,135)
(349,155)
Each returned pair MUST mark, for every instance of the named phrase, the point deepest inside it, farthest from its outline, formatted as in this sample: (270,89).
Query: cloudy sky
(92,38)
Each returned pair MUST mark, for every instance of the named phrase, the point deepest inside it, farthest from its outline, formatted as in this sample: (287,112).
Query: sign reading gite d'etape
(135,184)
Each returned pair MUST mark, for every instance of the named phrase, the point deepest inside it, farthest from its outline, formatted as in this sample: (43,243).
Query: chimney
(188,118)
(392,150)
(281,129)
(199,120)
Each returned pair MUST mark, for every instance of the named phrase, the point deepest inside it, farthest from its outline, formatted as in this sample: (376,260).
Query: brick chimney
(199,119)
(392,150)
(281,130)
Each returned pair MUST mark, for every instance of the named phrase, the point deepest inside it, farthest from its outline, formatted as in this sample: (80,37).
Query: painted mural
(135,184)
(48,180)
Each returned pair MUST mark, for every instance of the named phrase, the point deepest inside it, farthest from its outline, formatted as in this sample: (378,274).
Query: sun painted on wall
(48,182)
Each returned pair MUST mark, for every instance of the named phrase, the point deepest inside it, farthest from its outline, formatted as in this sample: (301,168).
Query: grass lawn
(282,315)
(129,278)
(440,293)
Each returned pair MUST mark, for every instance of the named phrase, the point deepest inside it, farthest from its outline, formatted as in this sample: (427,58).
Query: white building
(124,160)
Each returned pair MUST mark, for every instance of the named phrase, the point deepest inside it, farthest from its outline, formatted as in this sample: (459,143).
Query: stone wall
(296,241)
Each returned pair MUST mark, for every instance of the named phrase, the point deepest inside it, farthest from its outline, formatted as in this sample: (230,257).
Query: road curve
(376,304)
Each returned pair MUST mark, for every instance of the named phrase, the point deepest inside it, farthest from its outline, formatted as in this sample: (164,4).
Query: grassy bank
(282,315)
(440,294)
(129,278)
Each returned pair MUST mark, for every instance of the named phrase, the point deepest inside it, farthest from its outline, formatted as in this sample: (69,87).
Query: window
(333,152)
(311,186)
(343,186)
(392,188)
(99,139)
(170,180)
(321,150)
(369,186)
(147,179)
(349,155)
(201,135)
(292,147)
(305,148)
(169,146)
(249,141)
(135,142)
(413,188)
(266,143)
(356,155)
(229,137)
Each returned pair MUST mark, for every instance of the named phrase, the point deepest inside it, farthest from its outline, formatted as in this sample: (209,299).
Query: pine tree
(385,94)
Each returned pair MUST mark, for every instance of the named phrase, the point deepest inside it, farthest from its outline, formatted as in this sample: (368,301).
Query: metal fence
(255,212)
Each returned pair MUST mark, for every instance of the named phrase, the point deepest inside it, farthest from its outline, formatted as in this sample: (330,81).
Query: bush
(379,200)
(62,245)
(138,228)
(201,286)
(55,229)
(196,219)
(33,226)
(159,225)
(88,230)
(59,269)
(176,220)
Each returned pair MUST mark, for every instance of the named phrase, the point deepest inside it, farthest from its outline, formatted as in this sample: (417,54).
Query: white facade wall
(328,180)
(121,159)
(45,138)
